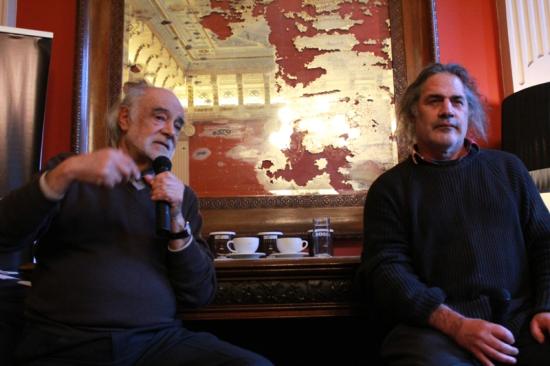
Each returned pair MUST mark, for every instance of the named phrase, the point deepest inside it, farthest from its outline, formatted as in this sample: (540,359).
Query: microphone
(162,208)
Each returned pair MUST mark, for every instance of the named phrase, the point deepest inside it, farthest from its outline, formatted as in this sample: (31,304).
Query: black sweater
(100,263)
(450,233)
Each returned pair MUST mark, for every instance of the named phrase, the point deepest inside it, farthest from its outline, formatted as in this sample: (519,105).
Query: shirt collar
(417,158)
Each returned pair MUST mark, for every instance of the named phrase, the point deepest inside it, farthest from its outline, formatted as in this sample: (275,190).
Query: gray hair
(407,109)
(133,91)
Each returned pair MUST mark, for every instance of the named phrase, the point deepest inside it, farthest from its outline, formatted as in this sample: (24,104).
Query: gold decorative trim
(397,49)
(310,201)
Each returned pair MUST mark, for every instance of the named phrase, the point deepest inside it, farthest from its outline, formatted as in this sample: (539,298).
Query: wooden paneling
(98,70)
(346,221)
(282,288)
(418,36)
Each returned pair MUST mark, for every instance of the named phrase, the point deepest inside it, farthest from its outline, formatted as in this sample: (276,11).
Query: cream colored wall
(180,161)
(546,199)
(528,28)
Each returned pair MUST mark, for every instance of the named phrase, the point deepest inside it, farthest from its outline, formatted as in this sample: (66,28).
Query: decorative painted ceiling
(287,96)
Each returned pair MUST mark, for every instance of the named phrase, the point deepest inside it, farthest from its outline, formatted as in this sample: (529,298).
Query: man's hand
(106,167)
(487,341)
(167,187)
(540,324)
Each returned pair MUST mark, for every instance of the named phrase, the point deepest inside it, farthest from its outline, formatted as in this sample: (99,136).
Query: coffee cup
(243,245)
(217,241)
(268,241)
(291,245)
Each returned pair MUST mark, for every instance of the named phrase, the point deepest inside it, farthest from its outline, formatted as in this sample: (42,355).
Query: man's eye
(160,117)
(178,125)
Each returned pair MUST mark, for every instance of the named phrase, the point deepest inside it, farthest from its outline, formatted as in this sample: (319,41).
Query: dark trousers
(411,346)
(12,296)
(170,345)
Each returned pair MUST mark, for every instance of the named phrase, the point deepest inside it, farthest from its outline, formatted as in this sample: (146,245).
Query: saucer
(289,255)
(245,256)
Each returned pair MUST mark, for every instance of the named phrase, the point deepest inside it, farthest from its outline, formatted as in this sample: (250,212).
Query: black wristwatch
(185,233)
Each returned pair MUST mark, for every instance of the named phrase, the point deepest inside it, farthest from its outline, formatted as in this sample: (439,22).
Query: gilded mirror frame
(98,76)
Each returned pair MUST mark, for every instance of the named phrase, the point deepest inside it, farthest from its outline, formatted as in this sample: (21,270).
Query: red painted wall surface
(59,17)
(468,34)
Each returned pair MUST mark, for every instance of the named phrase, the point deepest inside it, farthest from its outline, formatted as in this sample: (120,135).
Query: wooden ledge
(275,288)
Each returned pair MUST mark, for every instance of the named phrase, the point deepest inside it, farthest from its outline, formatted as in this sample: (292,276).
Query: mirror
(98,80)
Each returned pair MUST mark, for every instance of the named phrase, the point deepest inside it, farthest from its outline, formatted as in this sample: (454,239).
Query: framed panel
(98,81)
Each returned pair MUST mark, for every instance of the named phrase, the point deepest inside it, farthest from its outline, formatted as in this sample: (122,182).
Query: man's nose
(169,129)
(446,109)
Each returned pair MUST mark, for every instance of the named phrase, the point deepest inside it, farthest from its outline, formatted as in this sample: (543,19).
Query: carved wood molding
(98,66)
(342,200)
(79,131)
(398,49)
(283,292)
(269,288)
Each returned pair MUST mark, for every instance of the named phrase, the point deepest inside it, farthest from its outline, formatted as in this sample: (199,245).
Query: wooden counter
(275,288)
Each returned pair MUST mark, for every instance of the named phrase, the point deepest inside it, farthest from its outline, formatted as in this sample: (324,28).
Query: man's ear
(124,118)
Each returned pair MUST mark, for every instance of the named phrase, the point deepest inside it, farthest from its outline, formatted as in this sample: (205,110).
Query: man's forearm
(446,320)
(58,179)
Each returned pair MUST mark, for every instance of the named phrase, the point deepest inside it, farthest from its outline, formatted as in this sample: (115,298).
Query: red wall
(59,17)
(468,35)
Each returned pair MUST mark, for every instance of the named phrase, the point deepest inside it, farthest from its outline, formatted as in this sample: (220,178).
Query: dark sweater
(450,233)
(100,263)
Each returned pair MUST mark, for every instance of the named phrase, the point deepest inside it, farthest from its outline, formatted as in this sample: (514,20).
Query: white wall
(528,28)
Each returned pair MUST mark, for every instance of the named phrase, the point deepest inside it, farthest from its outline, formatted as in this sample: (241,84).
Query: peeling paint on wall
(334,86)
(312,107)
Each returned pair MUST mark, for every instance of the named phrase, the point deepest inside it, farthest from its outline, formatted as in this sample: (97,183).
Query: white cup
(291,245)
(243,245)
